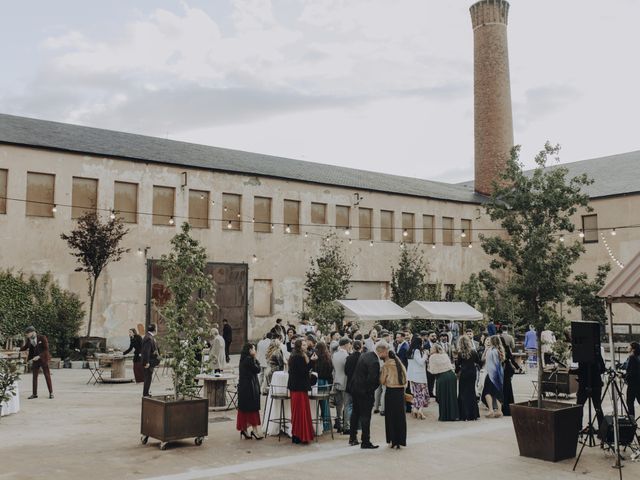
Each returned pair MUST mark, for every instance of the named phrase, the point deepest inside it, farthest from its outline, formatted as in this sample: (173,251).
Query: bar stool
(323,394)
(282,419)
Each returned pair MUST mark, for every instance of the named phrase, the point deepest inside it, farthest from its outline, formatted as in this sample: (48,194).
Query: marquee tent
(460,311)
(373,310)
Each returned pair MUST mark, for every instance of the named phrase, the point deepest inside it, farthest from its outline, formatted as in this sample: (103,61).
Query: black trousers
(633,395)
(227,345)
(431,382)
(148,375)
(596,398)
(362,406)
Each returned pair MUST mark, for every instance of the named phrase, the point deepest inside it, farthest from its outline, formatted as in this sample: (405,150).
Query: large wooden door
(231,298)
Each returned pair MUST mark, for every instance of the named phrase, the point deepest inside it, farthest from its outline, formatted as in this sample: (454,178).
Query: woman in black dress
(510,369)
(394,377)
(467,369)
(135,344)
(248,393)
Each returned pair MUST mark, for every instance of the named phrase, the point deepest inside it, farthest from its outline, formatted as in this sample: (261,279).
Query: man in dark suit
(150,357)
(227,334)
(38,347)
(366,379)
(590,385)
(349,370)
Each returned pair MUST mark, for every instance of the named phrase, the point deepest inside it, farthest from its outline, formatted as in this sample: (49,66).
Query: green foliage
(95,244)
(40,302)
(188,311)
(583,294)
(8,376)
(327,280)
(409,282)
(535,210)
(559,325)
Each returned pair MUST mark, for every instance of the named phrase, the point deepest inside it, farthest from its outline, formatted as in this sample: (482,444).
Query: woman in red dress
(248,393)
(299,386)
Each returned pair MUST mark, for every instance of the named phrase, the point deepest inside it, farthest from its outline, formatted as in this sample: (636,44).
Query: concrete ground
(92,432)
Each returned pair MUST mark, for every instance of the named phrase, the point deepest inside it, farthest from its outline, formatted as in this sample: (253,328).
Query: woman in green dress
(446,384)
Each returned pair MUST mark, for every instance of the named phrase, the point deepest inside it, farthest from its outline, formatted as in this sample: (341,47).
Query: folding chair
(232,395)
(96,372)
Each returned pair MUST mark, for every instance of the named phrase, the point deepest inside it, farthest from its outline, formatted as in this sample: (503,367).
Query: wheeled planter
(168,420)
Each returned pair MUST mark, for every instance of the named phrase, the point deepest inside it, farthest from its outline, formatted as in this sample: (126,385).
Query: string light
(253,220)
(171,221)
(54,209)
(608,248)
(112,216)
(225,209)
(581,234)
(202,196)
(405,233)
(139,251)
(272,226)
(347,231)
(371,243)
(254,259)
(288,229)
(229,225)
(238,215)
(433,245)
(306,234)
(561,238)
(470,246)
(613,232)
(350,241)
(463,234)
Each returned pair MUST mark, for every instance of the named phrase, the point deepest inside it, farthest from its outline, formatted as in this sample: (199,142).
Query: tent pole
(614,400)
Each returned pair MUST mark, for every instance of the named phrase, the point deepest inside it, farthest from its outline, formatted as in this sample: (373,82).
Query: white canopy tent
(372,311)
(449,311)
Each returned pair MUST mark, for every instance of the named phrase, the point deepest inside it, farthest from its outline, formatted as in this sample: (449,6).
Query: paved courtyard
(92,432)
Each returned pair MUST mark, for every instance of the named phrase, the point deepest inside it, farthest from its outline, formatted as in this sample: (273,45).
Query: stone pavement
(92,432)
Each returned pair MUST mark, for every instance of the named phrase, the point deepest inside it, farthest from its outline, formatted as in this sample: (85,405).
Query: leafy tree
(327,280)
(188,311)
(583,294)
(409,282)
(95,244)
(535,210)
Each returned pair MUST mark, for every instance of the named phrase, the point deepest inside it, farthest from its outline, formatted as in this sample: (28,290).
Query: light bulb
(405,233)
(470,246)
(238,215)
(254,259)
(225,209)
(272,226)
(171,221)
(613,232)
(229,225)
(347,231)
(581,234)
(561,238)
(288,229)
(253,220)
(371,243)
(350,241)
(54,209)
(463,234)
(139,251)
(433,245)
(113,215)
(306,234)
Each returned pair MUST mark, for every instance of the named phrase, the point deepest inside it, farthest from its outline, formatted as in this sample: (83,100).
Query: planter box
(559,383)
(55,363)
(168,420)
(77,364)
(549,433)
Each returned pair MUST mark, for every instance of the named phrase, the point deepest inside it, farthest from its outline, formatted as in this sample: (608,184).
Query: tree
(409,282)
(535,211)
(188,311)
(327,280)
(583,294)
(95,244)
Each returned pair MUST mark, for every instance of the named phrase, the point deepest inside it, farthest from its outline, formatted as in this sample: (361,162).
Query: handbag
(408,398)
(313,379)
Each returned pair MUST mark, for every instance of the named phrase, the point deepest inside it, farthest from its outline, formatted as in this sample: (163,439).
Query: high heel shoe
(244,435)
(253,434)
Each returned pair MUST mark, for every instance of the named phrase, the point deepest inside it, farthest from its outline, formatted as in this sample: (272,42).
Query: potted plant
(536,254)
(187,313)
(8,377)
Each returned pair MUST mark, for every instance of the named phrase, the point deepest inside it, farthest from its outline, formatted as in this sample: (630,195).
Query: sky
(372,84)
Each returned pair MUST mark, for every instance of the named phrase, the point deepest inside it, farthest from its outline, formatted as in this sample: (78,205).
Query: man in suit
(432,339)
(366,379)
(590,385)
(227,334)
(349,370)
(508,339)
(38,348)
(339,361)
(491,328)
(150,357)
(402,348)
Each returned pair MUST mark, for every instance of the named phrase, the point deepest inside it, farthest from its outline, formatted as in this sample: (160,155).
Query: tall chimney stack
(492,91)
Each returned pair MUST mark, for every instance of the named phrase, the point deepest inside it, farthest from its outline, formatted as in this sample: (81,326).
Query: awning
(460,311)
(624,287)
(373,310)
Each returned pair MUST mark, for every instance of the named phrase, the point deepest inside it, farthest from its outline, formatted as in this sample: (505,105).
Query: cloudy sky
(374,84)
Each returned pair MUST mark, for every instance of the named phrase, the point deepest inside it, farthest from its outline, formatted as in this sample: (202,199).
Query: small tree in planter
(535,211)
(8,377)
(187,314)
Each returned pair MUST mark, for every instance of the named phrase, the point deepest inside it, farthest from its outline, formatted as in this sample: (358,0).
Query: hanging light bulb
(371,243)
(347,231)
(139,251)
(112,216)
(213,202)
(171,221)
(581,234)
(202,196)
(470,246)
(350,241)
(225,209)
(254,259)
(54,209)
(401,245)
(561,238)
(306,234)
(463,234)
(229,225)
(405,233)
(253,220)
(272,226)
(288,229)
(238,215)
(433,245)
(613,232)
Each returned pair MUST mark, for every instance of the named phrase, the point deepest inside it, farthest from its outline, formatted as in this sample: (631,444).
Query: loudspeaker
(626,430)
(585,341)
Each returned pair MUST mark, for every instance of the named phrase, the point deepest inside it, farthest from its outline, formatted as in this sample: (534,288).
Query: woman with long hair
(510,369)
(135,344)
(417,377)
(248,393)
(324,369)
(494,381)
(446,384)
(299,386)
(394,377)
(275,362)
(466,368)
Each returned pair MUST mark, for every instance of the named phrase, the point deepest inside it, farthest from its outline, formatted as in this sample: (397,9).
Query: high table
(117,369)
(13,405)
(216,389)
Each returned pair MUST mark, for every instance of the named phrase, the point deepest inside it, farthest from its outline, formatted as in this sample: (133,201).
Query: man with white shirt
(261,354)
(370,343)
(339,359)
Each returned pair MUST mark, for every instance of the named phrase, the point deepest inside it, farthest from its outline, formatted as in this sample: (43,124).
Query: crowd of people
(377,372)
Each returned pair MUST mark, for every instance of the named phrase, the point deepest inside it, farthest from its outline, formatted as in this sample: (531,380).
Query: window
(199,208)
(163,205)
(125,201)
(319,213)
(449,292)
(408,227)
(291,216)
(342,216)
(447,231)
(262,291)
(262,214)
(465,226)
(590,228)
(434,291)
(84,196)
(386,226)
(428,232)
(231,211)
(3,190)
(40,194)
(364,223)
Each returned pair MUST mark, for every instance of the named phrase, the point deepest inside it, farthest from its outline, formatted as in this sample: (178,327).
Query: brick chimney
(493,122)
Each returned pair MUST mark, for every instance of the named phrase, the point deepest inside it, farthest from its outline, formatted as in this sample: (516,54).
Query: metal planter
(169,420)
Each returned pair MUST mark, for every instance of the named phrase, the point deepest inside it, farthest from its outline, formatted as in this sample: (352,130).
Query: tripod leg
(584,443)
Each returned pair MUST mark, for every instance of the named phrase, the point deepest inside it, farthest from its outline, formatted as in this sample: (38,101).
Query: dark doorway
(231,297)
